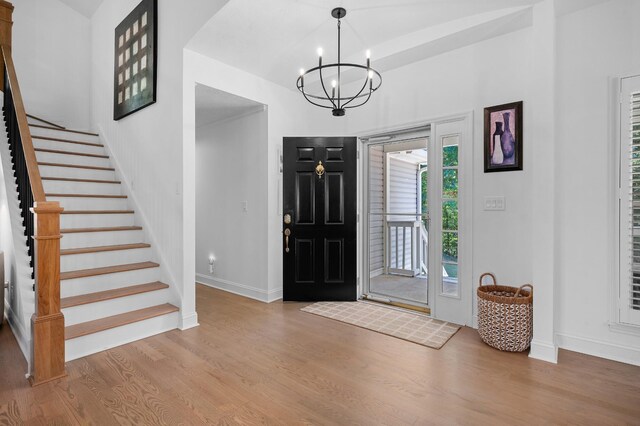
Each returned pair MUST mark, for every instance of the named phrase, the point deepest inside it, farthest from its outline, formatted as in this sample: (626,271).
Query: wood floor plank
(100,229)
(101,296)
(47,138)
(74,166)
(114,182)
(98,249)
(254,362)
(56,195)
(59,151)
(82,132)
(97,212)
(95,326)
(82,273)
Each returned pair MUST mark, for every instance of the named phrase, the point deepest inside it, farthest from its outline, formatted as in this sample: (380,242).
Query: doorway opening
(417,219)
(231,193)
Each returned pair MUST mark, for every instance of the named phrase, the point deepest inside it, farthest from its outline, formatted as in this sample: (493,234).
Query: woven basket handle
(525,286)
(488,274)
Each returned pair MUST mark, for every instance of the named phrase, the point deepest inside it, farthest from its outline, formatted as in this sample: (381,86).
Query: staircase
(110,285)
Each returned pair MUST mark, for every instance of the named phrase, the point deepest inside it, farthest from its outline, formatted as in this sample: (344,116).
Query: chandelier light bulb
(333,83)
(301,71)
(370,75)
(368,54)
(320,51)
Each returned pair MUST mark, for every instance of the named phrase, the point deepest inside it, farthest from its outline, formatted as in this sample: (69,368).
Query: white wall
(147,145)
(229,171)
(288,115)
(470,79)
(51,52)
(593,45)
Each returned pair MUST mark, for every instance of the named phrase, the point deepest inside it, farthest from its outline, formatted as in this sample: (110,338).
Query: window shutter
(630,202)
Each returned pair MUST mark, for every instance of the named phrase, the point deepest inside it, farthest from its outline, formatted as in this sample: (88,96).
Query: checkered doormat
(414,327)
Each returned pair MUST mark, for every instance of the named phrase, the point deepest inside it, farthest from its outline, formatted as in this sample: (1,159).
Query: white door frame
(464,314)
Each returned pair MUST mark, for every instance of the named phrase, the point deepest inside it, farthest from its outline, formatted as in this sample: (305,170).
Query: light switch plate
(494,203)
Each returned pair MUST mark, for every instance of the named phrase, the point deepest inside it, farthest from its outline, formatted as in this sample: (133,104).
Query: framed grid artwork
(134,84)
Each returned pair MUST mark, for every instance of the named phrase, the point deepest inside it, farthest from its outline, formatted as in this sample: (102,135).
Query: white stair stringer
(189,318)
(99,227)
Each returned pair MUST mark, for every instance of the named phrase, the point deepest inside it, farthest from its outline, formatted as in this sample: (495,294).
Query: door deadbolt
(287,218)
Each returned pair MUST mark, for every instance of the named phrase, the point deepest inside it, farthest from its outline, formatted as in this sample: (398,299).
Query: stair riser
(72,172)
(86,203)
(66,187)
(51,157)
(95,220)
(78,286)
(93,311)
(92,343)
(37,131)
(66,146)
(74,262)
(95,239)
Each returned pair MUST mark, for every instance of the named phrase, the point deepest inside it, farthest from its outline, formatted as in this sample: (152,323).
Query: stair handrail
(35,180)
(41,220)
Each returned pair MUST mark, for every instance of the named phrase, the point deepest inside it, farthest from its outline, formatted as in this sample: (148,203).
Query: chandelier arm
(364,102)
(311,102)
(324,88)
(366,80)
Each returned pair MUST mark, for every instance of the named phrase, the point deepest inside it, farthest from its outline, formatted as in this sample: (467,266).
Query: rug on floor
(403,324)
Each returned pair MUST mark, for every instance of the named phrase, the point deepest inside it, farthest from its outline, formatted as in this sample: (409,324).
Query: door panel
(321,261)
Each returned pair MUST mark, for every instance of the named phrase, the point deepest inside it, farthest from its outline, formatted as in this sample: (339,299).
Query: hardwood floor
(253,363)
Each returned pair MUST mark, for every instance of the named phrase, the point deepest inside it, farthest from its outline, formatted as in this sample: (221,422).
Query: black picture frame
(503,137)
(135,60)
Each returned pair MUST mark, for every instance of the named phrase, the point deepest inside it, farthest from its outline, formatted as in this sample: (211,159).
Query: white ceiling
(213,105)
(84,7)
(275,38)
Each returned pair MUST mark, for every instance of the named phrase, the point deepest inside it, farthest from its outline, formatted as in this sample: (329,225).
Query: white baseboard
(21,335)
(620,353)
(240,289)
(544,351)
(189,321)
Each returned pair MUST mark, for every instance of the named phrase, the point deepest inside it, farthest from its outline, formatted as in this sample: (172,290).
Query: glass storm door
(415,199)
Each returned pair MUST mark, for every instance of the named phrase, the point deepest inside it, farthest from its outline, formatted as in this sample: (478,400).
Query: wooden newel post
(47,323)
(6,23)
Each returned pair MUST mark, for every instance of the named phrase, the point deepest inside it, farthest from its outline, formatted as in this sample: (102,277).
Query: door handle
(287,232)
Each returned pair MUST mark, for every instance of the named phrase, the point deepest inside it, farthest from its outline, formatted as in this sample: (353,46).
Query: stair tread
(86,195)
(102,324)
(60,151)
(84,299)
(82,273)
(42,120)
(100,229)
(97,212)
(117,182)
(97,249)
(48,138)
(82,132)
(75,166)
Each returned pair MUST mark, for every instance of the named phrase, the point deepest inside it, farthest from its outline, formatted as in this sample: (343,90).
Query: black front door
(319,230)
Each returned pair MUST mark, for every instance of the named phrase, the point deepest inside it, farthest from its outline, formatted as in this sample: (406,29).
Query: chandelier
(338,100)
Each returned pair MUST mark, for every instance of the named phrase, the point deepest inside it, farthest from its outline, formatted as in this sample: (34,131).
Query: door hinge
(357,217)
(358,155)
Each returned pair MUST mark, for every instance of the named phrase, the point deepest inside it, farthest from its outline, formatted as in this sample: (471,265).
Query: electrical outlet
(494,203)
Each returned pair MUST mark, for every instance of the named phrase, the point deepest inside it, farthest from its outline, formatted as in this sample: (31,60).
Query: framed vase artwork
(134,79)
(503,137)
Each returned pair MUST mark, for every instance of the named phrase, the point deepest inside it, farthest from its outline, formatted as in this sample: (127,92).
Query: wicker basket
(505,315)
